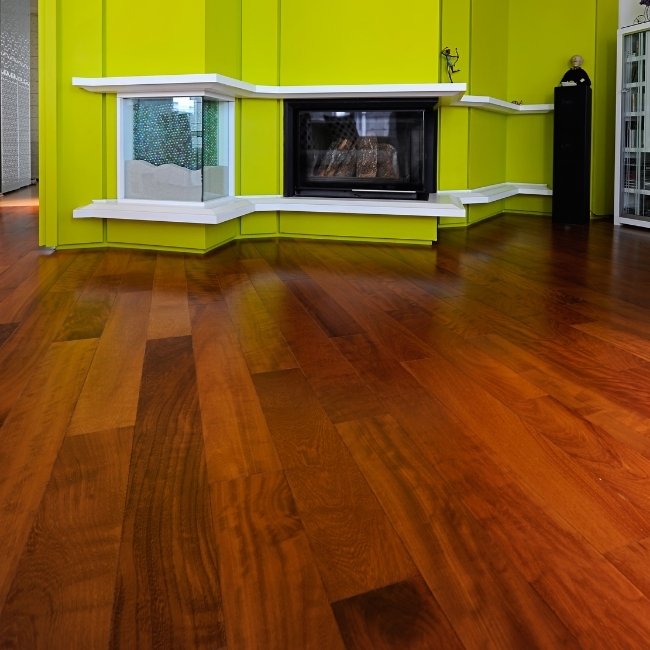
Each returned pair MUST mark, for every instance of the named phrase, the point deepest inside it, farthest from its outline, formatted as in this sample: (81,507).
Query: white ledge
(500,106)
(440,205)
(227,87)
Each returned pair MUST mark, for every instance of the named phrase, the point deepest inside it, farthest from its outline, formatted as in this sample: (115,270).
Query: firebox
(360,148)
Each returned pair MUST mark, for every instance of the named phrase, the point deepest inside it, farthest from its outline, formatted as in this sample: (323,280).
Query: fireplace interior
(365,149)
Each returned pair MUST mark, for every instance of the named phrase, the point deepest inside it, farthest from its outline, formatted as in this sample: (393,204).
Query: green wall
(509,50)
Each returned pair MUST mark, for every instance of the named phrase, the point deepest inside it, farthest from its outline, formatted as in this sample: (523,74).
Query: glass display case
(174,149)
(632,199)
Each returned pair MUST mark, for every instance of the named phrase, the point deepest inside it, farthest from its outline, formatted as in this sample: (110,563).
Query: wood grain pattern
(354,544)
(445,539)
(602,517)
(262,343)
(273,594)
(63,592)
(167,591)
(30,439)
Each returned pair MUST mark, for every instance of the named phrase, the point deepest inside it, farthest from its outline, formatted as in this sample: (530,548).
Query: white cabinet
(632,183)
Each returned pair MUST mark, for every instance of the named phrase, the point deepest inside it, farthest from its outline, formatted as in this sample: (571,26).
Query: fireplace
(369,149)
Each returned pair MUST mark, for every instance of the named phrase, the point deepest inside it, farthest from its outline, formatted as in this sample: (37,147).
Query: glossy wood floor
(305,445)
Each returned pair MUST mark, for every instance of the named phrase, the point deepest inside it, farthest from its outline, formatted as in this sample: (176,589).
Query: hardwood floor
(304,445)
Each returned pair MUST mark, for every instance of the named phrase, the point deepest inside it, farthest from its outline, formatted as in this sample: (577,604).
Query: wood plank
(30,439)
(273,595)
(24,351)
(167,591)
(62,595)
(202,282)
(88,317)
(487,602)
(169,315)
(237,439)
(633,561)
(340,390)
(403,615)
(262,343)
(110,396)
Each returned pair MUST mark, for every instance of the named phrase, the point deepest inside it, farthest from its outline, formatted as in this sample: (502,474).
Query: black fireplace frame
(416,190)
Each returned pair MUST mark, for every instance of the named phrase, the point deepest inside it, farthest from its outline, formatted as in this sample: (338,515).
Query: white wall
(628,10)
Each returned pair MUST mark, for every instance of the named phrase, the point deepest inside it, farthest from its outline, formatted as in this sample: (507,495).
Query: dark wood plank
(62,595)
(167,591)
(404,615)
(237,440)
(6,330)
(29,443)
(273,597)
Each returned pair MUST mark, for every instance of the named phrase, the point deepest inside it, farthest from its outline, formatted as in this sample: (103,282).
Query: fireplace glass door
(372,149)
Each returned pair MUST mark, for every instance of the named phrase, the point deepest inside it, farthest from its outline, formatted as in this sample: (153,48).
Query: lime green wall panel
(262,223)
(80,120)
(529,204)
(530,148)
(152,234)
(542,37)
(152,38)
(453,125)
(489,49)
(455,34)
(481,211)
(343,42)
(48,224)
(260,41)
(221,233)
(487,148)
(261,146)
(222,31)
(453,149)
(365,227)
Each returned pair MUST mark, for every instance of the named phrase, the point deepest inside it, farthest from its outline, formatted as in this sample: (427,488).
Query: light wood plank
(110,396)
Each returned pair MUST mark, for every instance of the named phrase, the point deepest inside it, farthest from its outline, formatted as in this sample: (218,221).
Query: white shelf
(441,205)
(501,106)
(227,87)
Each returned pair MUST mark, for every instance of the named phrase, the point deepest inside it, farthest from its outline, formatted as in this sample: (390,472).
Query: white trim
(444,204)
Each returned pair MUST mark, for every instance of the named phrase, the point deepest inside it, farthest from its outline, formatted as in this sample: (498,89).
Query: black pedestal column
(572,155)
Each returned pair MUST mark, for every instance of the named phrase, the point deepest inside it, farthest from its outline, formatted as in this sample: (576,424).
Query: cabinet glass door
(635,182)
